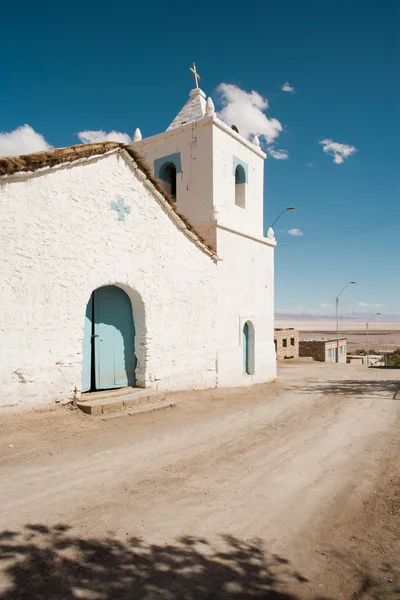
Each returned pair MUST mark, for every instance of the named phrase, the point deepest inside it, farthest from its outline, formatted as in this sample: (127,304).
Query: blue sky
(91,66)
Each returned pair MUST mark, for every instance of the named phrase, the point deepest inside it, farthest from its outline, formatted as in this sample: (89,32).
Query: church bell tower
(210,170)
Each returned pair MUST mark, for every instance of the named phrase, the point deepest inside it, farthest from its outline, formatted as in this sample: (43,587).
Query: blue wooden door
(87,348)
(114,335)
(246,348)
(109,341)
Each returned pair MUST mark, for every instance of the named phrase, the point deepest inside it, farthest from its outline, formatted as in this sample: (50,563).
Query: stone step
(90,396)
(101,403)
(132,412)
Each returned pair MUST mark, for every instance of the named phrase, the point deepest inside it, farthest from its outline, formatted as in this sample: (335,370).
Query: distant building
(323,349)
(286,343)
(374,360)
(356,359)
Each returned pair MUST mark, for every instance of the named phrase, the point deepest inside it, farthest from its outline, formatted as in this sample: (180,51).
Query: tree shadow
(53,564)
(377,582)
(383,368)
(350,387)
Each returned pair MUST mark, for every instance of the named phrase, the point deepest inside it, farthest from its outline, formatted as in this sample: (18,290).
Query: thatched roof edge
(29,163)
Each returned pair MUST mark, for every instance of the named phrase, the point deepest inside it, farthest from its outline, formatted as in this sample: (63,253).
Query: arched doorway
(109,341)
(248,348)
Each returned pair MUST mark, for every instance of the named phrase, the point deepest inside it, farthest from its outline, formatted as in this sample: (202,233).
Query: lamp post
(337,318)
(290,209)
(366,325)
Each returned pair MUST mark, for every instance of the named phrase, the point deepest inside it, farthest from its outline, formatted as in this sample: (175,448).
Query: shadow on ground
(53,564)
(380,581)
(355,387)
(383,368)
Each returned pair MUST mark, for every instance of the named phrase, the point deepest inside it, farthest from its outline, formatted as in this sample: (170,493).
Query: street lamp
(366,325)
(337,319)
(290,209)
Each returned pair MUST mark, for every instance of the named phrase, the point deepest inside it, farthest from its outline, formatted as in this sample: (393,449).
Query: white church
(143,265)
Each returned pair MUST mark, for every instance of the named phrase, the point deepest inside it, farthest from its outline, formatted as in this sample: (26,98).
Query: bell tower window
(240,187)
(240,170)
(168,178)
(166,169)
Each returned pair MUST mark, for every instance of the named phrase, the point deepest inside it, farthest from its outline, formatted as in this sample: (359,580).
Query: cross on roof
(195,74)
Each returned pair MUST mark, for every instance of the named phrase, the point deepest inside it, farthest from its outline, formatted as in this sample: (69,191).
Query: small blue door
(246,348)
(114,334)
(109,341)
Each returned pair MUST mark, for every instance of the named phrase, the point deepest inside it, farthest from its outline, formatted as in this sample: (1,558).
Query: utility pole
(337,318)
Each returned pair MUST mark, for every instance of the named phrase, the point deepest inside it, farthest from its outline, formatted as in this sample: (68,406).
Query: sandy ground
(284,491)
(385,340)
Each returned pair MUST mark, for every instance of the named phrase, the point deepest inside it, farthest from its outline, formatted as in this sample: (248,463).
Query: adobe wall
(291,350)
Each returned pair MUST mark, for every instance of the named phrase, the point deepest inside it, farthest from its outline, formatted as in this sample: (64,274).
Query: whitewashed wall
(247,271)
(60,240)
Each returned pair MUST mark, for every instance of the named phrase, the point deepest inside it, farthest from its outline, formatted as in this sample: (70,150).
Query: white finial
(196,75)
(210,108)
(137,136)
(256,141)
(270,233)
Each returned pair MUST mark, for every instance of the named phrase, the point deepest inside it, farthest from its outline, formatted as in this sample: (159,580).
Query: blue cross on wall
(121,209)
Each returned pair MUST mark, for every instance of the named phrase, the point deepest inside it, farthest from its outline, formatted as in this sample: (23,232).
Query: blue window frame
(242,173)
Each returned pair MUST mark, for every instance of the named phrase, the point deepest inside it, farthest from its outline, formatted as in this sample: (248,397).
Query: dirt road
(286,491)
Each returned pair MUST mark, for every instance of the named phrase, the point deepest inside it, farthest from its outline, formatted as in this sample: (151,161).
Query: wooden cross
(195,74)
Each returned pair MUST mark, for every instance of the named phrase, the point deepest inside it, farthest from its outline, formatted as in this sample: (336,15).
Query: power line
(365,221)
(355,229)
(342,234)
(355,226)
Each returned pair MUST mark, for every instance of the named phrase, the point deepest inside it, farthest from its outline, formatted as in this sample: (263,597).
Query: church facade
(142,265)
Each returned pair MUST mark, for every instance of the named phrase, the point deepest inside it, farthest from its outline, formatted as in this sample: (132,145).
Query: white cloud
(278,154)
(295,232)
(310,165)
(287,88)
(22,140)
(246,110)
(366,305)
(338,151)
(91,137)
(25,140)
(324,305)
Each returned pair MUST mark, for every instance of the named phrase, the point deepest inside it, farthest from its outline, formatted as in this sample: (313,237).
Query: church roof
(29,163)
(193,110)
